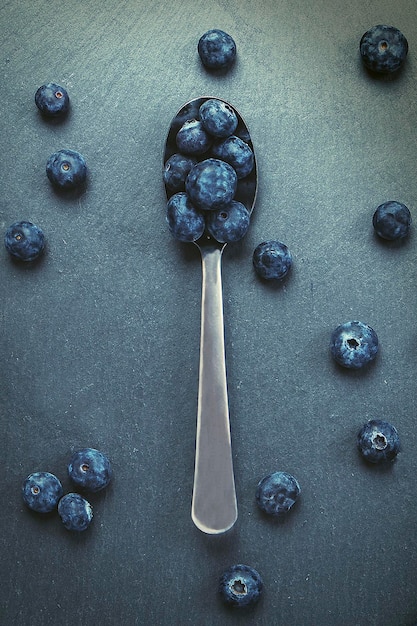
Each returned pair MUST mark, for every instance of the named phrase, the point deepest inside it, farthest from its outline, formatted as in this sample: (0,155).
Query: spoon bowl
(214,504)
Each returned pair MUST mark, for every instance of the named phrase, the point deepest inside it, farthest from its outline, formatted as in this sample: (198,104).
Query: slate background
(100,339)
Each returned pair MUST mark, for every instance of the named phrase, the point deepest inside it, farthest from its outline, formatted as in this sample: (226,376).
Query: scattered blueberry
(392,220)
(272,260)
(185,222)
(354,344)
(218,118)
(90,469)
(383,49)
(41,491)
(240,586)
(211,184)
(176,170)
(237,153)
(24,241)
(192,138)
(217,50)
(230,224)
(52,100)
(378,441)
(277,493)
(66,169)
(75,512)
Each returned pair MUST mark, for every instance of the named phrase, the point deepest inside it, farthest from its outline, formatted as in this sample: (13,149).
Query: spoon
(214,504)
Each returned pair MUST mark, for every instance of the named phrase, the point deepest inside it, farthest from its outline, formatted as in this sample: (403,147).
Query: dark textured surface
(100,338)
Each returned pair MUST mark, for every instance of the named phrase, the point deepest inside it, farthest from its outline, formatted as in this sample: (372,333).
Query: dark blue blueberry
(229,224)
(90,469)
(218,118)
(237,153)
(24,241)
(277,493)
(240,586)
(41,491)
(217,50)
(383,49)
(392,220)
(378,441)
(272,260)
(75,512)
(52,100)
(66,169)
(211,184)
(192,138)
(354,344)
(185,222)
(176,170)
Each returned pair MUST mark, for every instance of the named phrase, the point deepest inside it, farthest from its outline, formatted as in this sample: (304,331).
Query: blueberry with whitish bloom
(230,224)
(90,469)
(211,184)
(192,138)
(392,220)
(176,170)
(240,586)
(218,118)
(75,512)
(272,260)
(217,49)
(41,491)
(185,222)
(24,241)
(354,344)
(52,100)
(66,169)
(237,153)
(378,441)
(383,49)
(277,493)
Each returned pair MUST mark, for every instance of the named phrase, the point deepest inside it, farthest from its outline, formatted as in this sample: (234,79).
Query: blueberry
(24,241)
(52,100)
(218,118)
(378,441)
(383,49)
(90,469)
(272,260)
(217,49)
(211,184)
(41,491)
(240,586)
(354,344)
(192,138)
(176,170)
(185,222)
(229,224)
(75,512)
(277,493)
(237,153)
(392,220)
(66,169)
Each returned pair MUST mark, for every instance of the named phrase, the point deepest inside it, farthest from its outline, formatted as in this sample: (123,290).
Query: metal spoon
(214,505)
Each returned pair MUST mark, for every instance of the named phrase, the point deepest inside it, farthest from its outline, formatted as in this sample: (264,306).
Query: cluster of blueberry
(65,169)
(204,175)
(88,469)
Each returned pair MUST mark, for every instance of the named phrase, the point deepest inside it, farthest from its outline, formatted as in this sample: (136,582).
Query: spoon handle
(214,507)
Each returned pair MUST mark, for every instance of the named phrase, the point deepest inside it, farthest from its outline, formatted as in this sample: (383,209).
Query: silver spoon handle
(214,507)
